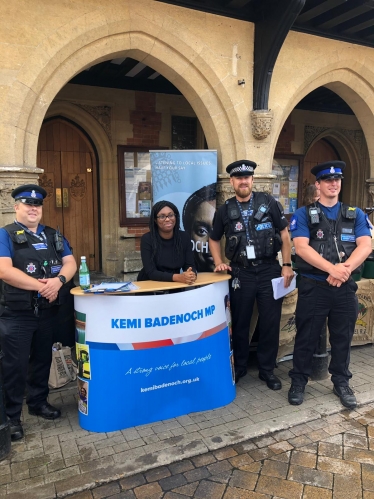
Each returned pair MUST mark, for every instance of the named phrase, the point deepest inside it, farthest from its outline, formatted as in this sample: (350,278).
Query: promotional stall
(152,354)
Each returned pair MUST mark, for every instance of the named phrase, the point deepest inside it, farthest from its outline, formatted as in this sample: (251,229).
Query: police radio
(263,209)
(314,214)
(58,240)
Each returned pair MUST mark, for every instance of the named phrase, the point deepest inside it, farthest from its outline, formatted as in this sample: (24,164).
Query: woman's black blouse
(168,262)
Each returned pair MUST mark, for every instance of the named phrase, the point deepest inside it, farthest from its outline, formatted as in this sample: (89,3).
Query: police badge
(320,234)
(30,268)
(238,226)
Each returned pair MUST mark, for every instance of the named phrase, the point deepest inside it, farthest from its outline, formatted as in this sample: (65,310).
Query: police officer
(35,265)
(331,240)
(255,230)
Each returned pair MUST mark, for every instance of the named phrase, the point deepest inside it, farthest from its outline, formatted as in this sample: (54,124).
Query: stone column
(10,178)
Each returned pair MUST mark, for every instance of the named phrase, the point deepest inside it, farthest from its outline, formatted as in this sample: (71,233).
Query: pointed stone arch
(343,79)
(180,58)
(352,149)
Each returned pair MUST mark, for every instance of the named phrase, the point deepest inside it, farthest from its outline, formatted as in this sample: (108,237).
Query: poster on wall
(188,179)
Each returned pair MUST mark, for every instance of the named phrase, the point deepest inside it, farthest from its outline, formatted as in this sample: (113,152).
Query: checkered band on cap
(242,168)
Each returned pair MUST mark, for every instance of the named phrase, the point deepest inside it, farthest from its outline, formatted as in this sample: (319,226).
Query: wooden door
(320,152)
(69,177)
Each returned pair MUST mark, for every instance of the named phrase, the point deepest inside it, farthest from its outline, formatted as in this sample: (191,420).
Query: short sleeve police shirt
(6,245)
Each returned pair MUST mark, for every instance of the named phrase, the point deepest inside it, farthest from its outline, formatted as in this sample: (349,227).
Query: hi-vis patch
(293,223)
(31,268)
(40,246)
(238,227)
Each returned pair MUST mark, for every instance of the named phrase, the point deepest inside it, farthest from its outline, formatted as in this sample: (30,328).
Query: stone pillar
(10,178)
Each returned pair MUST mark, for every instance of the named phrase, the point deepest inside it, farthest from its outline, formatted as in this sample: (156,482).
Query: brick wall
(138,231)
(146,122)
(286,136)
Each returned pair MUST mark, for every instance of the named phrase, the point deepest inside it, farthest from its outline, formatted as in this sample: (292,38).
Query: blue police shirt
(299,226)
(6,245)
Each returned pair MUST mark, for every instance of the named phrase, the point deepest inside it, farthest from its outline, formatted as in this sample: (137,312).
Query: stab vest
(322,238)
(264,237)
(41,263)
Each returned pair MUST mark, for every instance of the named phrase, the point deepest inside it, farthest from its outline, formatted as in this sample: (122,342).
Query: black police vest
(324,235)
(265,238)
(41,263)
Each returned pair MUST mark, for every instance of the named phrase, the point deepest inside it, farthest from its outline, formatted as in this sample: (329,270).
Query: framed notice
(286,186)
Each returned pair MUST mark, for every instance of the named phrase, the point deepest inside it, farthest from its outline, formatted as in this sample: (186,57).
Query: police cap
(330,169)
(29,194)
(241,168)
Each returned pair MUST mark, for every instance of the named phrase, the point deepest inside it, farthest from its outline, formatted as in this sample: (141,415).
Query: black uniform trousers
(26,341)
(316,302)
(255,284)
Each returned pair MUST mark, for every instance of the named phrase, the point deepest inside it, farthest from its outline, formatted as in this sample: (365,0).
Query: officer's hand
(221,267)
(334,282)
(288,275)
(340,272)
(51,288)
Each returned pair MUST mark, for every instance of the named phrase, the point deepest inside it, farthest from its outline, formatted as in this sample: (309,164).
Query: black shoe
(46,411)
(296,394)
(16,430)
(347,398)
(239,373)
(273,382)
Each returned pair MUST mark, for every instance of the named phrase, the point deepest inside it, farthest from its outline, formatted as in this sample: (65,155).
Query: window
(183,132)
(135,185)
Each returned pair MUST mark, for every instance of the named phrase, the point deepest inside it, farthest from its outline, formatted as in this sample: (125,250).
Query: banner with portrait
(189,179)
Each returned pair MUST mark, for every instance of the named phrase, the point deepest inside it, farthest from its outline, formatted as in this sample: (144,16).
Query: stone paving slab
(303,462)
(58,458)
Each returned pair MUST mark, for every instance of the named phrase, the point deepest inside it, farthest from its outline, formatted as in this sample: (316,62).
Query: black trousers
(316,302)
(26,342)
(255,284)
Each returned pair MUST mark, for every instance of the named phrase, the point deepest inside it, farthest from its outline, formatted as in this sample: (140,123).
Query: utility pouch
(269,247)
(231,245)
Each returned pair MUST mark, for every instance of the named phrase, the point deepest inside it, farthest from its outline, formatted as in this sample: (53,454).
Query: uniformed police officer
(331,240)
(255,230)
(35,264)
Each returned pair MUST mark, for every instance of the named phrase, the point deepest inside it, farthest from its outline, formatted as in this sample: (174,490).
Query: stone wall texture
(44,44)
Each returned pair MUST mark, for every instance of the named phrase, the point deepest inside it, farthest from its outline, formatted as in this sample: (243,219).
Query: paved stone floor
(328,458)
(289,452)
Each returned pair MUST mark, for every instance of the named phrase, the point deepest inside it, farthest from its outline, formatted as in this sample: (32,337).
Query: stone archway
(183,60)
(351,87)
(352,149)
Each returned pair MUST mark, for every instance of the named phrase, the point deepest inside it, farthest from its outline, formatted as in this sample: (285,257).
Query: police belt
(254,263)
(322,283)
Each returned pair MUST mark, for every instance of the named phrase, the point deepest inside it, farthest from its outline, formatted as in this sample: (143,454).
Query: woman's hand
(188,277)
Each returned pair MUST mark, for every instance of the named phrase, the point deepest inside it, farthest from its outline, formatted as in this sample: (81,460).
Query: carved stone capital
(261,122)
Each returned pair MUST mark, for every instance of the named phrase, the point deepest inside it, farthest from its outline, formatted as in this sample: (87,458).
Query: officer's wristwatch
(62,279)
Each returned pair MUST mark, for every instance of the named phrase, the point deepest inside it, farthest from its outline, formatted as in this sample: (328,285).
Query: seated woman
(165,250)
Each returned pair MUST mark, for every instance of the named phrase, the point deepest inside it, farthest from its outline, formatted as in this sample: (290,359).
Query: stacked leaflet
(112,287)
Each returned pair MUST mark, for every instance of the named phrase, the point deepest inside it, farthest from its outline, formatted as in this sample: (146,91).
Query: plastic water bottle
(84,274)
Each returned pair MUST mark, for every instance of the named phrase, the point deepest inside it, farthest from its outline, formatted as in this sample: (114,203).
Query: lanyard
(42,237)
(245,216)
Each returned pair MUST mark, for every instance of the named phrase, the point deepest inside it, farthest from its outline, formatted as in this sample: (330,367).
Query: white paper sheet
(279,290)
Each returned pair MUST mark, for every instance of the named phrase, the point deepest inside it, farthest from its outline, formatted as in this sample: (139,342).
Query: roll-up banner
(188,179)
